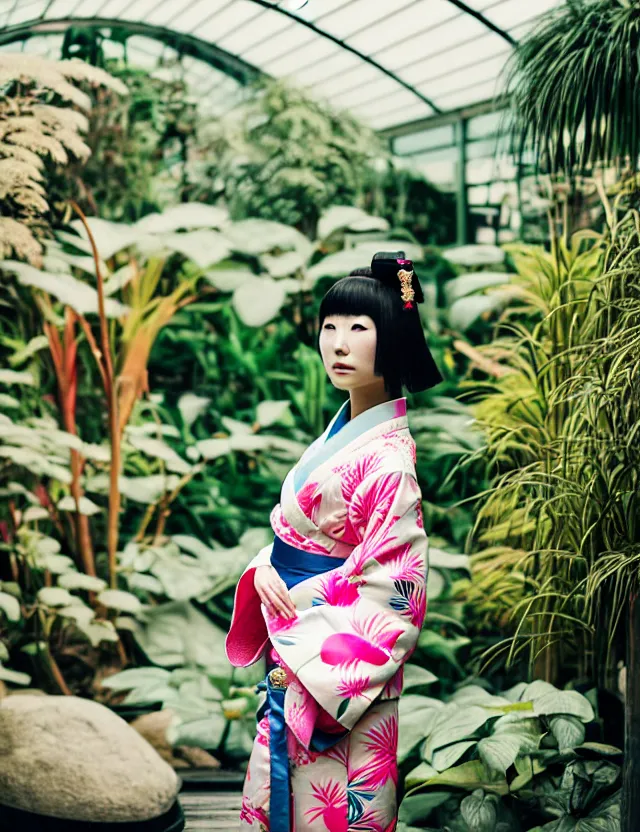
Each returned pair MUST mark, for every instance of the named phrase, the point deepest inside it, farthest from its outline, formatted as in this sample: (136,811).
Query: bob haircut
(402,355)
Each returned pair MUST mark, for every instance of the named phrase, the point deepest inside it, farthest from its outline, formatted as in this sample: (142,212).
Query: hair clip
(405,275)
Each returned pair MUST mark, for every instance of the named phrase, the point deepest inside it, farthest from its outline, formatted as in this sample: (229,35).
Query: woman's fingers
(283,594)
(276,602)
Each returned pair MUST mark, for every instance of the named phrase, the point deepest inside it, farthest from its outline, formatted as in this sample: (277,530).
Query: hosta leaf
(480,811)
(447,560)
(98,631)
(270,412)
(460,724)
(415,675)
(568,702)
(418,807)
(119,600)
(160,450)
(78,580)
(475,255)
(53,596)
(15,377)
(184,216)
(569,731)
(137,677)
(77,294)
(205,732)
(418,775)
(448,756)
(10,606)
(500,751)
(191,407)
(85,505)
(259,300)
(14,677)
(34,513)
(204,247)
(110,237)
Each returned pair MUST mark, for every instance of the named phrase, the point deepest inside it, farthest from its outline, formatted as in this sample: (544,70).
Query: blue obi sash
(294,566)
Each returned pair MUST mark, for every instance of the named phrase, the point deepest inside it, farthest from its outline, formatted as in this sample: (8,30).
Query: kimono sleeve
(366,615)
(247,634)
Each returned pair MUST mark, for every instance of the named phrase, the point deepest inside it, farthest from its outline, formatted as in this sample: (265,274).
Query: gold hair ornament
(406,290)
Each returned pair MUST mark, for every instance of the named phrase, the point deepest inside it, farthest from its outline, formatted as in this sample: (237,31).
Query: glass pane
(400,116)
(365,94)
(511,13)
(22,12)
(62,8)
(259,31)
(488,70)
(470,95)
(336,63)
(432,41)
(307,53)
(195,14)
(425,139)
(482,127)
(280,46)
(466,55)
(357,81)
(359,16)
(401,26)
(225,21)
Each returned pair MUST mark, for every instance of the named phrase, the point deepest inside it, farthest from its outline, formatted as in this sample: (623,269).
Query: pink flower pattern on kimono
(330,801)
(251,814)
(337,590)
(381,742)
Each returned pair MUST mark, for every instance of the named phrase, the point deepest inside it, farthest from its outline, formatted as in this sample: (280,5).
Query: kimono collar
(370,417)
(327,445)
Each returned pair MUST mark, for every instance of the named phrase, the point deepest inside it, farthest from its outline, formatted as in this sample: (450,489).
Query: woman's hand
(273,592)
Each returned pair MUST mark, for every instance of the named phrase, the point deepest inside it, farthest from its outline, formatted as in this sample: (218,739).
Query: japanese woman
(337,600)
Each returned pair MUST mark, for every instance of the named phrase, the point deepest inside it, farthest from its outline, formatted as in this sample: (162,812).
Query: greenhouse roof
(387,62)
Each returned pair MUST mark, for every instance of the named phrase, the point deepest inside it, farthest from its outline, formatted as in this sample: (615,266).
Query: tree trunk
(631,773)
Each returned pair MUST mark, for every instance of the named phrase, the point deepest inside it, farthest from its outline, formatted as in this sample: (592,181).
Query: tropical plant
(521,760)
(571,85)
(42,118)
(285,157)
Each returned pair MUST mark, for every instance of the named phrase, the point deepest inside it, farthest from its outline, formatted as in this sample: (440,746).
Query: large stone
(72,758)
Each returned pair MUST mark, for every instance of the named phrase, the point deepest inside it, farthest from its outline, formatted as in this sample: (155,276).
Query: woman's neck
(363,398)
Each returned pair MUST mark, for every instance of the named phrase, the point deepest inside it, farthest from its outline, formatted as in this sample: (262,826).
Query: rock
(75,759)
(153,727)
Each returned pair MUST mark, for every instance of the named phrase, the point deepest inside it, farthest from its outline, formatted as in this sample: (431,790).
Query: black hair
(402,355)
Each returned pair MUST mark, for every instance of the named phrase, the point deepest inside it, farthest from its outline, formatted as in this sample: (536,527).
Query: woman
(339,597)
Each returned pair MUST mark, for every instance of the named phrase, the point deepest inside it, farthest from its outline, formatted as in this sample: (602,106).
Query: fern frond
(16,238)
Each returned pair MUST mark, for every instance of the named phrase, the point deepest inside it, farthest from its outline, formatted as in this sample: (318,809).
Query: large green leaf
(464,312)
(10,606)
(480,811)
(65,288)
(448,756)
(136,677)
(568,702)
(204,247)
(187,215)
(414,675)
(259,300)
(468,284)
(418,807)
(569,731)
(461,723)
(177,634)
(499,752)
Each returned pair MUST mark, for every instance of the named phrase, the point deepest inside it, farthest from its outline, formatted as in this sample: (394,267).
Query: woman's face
(350,340)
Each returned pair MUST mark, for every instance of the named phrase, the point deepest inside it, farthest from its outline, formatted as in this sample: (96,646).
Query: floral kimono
(351,546)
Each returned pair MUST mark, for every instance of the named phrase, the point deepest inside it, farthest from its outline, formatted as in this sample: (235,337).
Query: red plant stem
(112,407)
